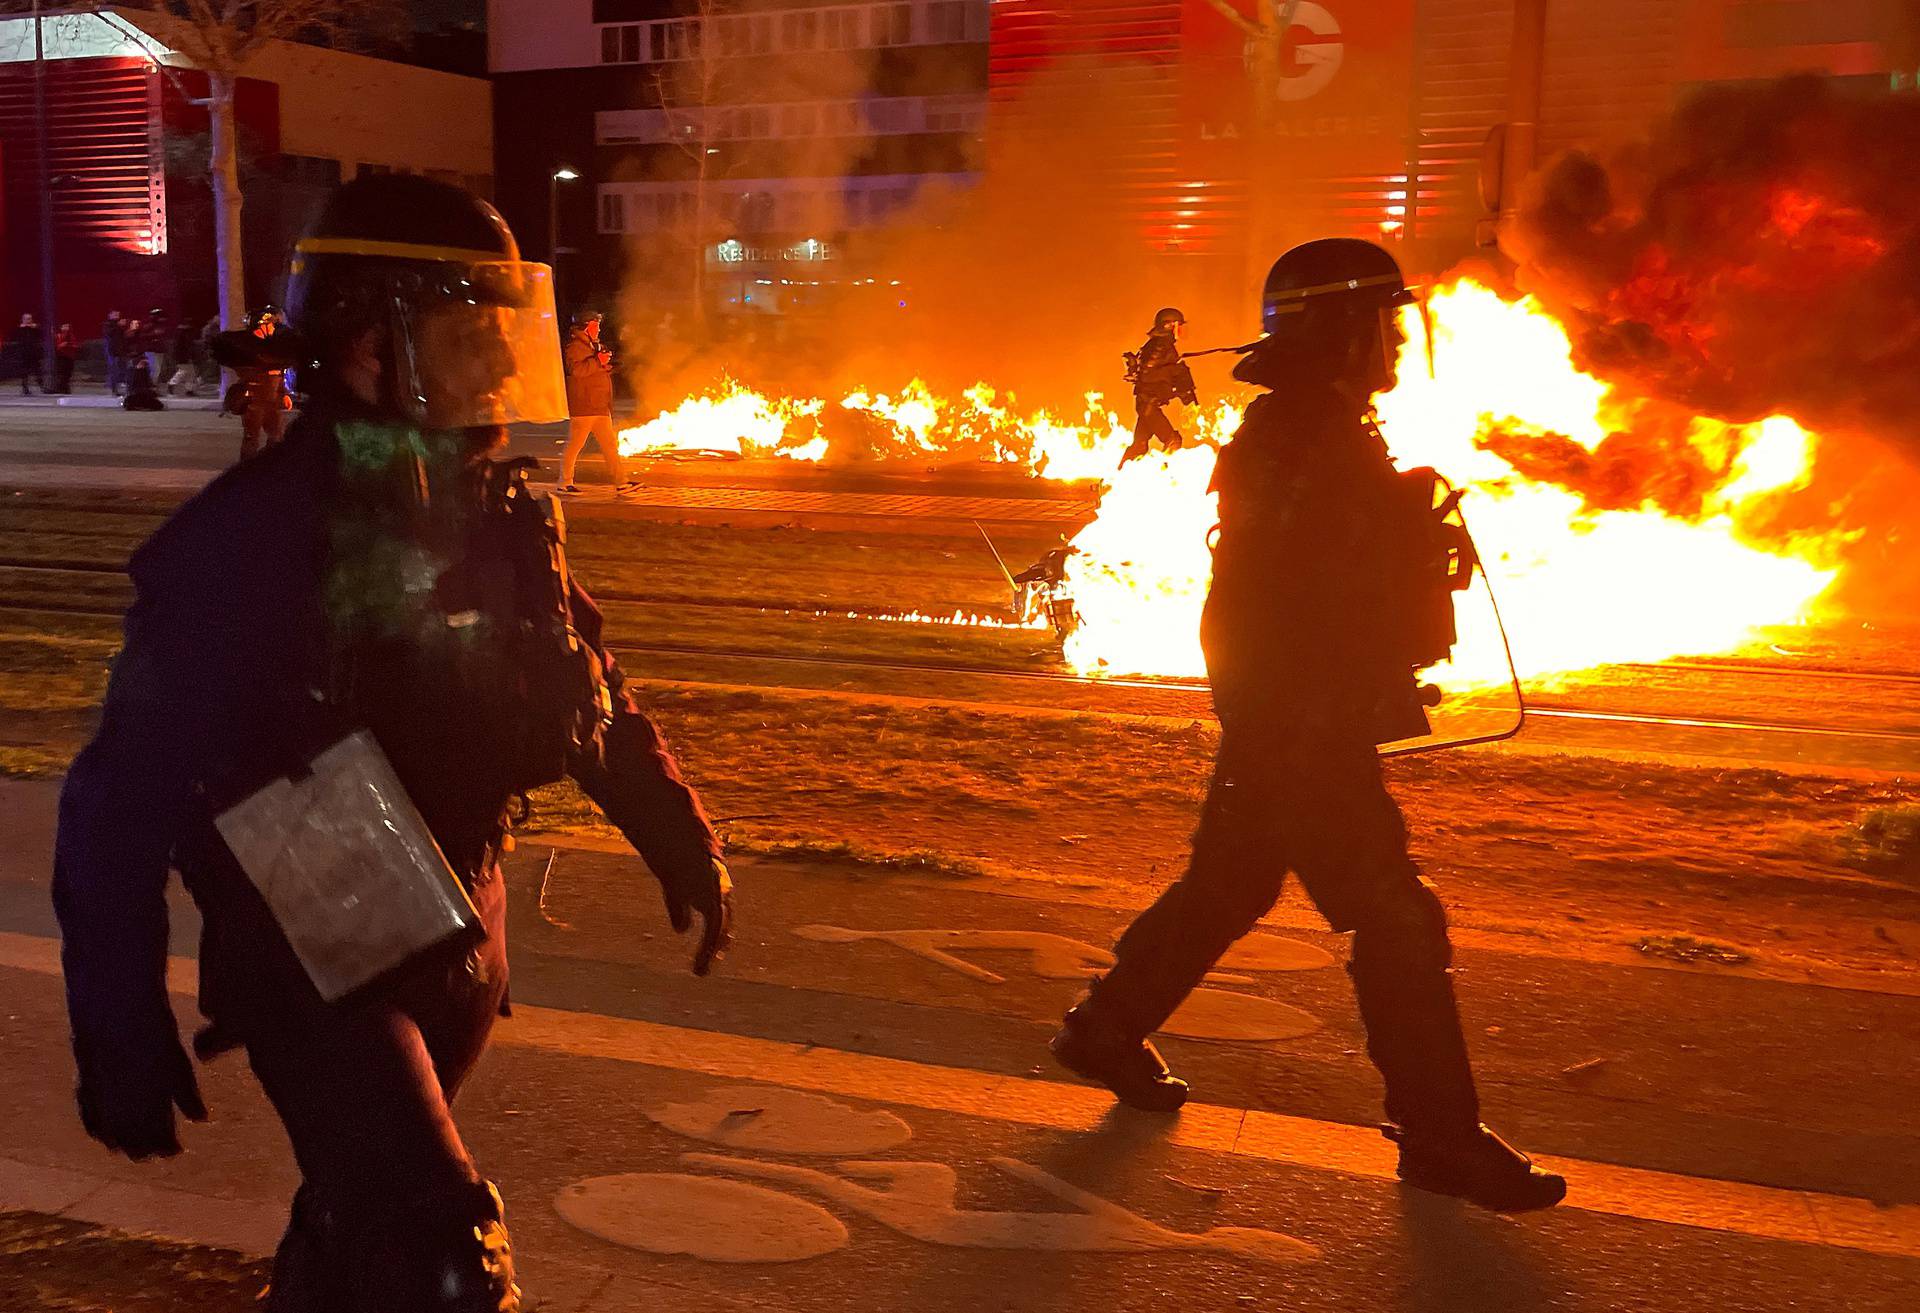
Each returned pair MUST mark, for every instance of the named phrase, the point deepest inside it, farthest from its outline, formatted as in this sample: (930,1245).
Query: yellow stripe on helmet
(1344,285)
(398,251)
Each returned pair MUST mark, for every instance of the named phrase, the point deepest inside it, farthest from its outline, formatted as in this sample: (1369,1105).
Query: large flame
(1579,587)
(1639,574)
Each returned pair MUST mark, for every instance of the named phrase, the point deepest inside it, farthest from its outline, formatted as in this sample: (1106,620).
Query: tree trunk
(229,256)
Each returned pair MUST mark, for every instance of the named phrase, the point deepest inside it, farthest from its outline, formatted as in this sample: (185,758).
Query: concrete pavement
(859,1110)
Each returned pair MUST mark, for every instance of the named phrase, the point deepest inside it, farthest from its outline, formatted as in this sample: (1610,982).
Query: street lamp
(564,173)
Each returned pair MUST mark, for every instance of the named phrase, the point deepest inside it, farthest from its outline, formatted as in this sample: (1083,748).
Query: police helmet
(467,331)
(1168,315)
(1339,274)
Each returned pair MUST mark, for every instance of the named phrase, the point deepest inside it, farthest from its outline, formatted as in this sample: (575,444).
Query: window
(630,44)
(890,24)
(613,212)
(760,34)
(947,21)
(657,41)
(609,45)
(843,28)
(890,116)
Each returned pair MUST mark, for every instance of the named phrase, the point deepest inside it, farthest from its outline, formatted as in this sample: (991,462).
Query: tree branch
(1233,15)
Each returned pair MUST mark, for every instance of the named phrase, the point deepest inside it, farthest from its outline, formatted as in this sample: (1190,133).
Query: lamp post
(562,174)
(48,286)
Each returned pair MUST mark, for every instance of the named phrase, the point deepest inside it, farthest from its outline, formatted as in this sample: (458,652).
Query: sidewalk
(96,397)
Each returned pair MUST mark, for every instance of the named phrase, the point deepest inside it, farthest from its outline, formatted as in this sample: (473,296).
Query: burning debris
(1616,526)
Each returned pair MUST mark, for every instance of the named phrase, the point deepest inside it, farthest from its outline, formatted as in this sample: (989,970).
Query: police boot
(307,1276)
(1094,1046)
(475,1269)
(1478,1166)
(447,1254)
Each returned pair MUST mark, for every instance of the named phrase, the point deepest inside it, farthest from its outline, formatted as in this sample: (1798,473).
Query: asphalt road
(858,1111)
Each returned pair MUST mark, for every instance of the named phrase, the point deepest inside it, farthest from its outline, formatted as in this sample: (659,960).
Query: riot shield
(348,867)
(1480,697)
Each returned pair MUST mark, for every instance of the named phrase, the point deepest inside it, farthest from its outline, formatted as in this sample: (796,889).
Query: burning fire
(1579,587)
(1597,555)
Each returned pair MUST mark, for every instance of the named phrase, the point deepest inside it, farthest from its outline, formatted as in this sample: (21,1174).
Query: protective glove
(128,1094)
(710,894)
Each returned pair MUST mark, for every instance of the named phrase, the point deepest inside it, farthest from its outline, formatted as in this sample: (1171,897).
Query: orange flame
(1579,586)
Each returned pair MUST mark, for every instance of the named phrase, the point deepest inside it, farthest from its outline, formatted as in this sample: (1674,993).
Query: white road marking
(1734,1207)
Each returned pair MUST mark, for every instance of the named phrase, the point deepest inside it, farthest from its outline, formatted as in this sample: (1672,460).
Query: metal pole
(553,220)
(48,312)
(1525,70)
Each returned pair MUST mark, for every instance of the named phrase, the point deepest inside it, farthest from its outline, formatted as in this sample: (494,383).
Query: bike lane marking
(1734,1207)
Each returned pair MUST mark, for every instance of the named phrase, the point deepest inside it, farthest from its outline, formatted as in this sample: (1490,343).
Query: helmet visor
(486,351)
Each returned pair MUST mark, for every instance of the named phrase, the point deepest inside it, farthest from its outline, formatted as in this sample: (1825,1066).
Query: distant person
(259,395)
(26,351)
(1160,378)
(156,337)
(141,393)
(185,378)
(66,353)
(113,340)
(590,405)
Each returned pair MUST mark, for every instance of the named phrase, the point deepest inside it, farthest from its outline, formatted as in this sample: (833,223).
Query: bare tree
(1268,32)
(1268,29)
(221,38)
(693,124)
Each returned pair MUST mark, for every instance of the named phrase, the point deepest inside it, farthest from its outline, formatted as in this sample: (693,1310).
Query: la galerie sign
(1339,97)
(1318,48)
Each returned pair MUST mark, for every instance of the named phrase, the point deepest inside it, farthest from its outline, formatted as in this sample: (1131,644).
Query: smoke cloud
(1027,276)
(1759,254)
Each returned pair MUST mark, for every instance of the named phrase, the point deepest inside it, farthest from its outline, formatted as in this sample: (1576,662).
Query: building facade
(127,158)
(1377,117)
(765,134)
(726,155)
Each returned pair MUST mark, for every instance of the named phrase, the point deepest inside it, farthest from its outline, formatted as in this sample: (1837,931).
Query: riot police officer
(398,580)
(259,393)
(1160,378)
(1308,678)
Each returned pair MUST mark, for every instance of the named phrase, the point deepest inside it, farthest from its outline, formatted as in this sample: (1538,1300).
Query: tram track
(854,664)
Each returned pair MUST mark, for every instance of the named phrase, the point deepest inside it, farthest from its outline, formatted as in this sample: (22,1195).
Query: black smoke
(1758,254)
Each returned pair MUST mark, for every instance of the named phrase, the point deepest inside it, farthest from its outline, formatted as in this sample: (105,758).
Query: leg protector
(1400,969)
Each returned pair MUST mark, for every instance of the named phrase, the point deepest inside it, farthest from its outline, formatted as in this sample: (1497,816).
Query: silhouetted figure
(1314,637)
(1160,378)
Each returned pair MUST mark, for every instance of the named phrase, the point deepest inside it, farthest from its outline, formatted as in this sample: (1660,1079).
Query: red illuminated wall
(131,206)
(1175,72)
(1331,156)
